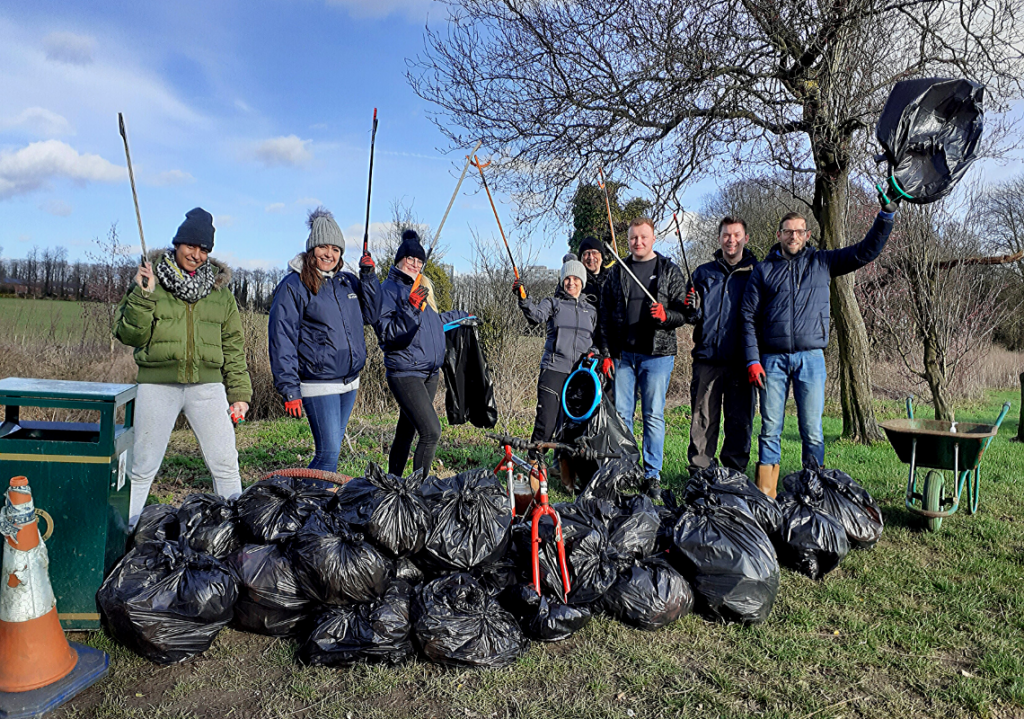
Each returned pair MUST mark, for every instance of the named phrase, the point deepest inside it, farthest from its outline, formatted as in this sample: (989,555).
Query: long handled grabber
(612,247)
(135,196)
(433,244)
(515,271)
(369,186)
(682,246)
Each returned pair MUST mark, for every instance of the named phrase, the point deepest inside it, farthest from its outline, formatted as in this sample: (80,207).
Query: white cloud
(311,202)
(30,167)
(283,151)
(171,177)
(275,207)
(413,9)
(69,48)
(58,208)
(354,236)
(222,222)
(233,260)
(243,106)
(39,121)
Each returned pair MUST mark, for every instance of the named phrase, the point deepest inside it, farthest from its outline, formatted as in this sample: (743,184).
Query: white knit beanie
(323,230)
(572,266)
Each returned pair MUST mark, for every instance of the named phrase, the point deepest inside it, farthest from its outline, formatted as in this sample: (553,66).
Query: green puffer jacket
(188,344)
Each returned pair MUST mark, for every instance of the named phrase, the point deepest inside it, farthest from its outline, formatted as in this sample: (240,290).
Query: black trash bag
(668,515)
(376,632)
(456,622)
(604,433)
(472,521)
(930,130)
(210,525)
(470,394)
(274,509)
(390,510)
(406,571)
(846,501)
(157,523)
(269,599)
(729,562)
(634,532)
(733,489)
(496,577)
(649,595)
(542,618)
(811,541)
(166,602)
(336,565)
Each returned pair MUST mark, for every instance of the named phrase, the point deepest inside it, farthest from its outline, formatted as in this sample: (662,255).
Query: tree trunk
(936,379)
(830,199)
(1020,422)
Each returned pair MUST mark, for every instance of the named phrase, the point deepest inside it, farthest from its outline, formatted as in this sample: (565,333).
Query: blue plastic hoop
(597,393)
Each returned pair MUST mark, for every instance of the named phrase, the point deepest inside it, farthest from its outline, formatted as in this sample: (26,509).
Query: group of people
(758,326)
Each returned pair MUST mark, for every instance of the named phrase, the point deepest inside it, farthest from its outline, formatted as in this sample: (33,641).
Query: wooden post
(1020,422)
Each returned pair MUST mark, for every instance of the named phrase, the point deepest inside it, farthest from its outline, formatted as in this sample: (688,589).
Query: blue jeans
(651,374)
(328,418)
(805,371)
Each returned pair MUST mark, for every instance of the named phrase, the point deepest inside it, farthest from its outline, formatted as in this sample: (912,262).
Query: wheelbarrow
(941,446)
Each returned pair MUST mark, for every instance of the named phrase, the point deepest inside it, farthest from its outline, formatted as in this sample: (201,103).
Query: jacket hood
(775,253)
(223,271)
(397,275)
(295,263)
(748,258)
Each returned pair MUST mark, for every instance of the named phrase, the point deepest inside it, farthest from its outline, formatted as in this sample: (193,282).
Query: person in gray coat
(571,321)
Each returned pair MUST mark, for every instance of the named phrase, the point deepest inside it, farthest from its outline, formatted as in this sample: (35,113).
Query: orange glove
(294,407)
(691,298)
(417,297)
(755,373)
(366,263)
(658,312)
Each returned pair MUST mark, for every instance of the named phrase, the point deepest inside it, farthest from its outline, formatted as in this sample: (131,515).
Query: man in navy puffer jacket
(785,315)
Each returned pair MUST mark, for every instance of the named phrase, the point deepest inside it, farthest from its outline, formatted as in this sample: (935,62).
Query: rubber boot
(767,478)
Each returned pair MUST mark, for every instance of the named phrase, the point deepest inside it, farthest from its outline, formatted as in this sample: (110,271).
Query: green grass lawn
(54,319)
(923,625)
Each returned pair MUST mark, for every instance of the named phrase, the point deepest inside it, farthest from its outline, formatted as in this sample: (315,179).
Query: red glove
(294,407)
(691,298)
(658,312)
(366,263)
(519,289)
(417,297)
(607,366)
(755,373)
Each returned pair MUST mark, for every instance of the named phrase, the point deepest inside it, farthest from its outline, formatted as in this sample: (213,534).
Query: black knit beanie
(197,229)
(410,247)
(590,243)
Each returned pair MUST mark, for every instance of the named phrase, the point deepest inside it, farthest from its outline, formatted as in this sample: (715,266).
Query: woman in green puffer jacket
(183,322)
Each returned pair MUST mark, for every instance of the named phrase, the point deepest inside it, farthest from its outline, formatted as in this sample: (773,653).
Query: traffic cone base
(34,653)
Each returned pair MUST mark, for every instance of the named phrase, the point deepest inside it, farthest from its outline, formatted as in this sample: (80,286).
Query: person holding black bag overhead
(570,321)
(315,335)
(411,335)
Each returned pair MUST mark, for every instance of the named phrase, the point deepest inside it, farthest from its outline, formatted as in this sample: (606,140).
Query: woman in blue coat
(316,335)
(411,335)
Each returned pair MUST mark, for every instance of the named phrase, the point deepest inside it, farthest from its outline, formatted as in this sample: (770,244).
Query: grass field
(923,625)
(41,318)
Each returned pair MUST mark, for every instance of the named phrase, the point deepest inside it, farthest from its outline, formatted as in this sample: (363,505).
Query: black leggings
(415,396)
(549,402)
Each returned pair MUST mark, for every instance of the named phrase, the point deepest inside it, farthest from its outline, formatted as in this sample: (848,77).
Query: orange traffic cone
(33,649)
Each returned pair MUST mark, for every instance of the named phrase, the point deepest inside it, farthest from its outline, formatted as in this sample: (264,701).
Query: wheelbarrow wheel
(934,483)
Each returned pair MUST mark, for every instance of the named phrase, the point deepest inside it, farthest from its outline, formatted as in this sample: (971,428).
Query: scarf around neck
(187,288)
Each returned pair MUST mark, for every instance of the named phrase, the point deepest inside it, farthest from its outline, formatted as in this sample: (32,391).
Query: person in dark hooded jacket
(315,335)
(592,257)
(712,305)
(570,321)
(411,335)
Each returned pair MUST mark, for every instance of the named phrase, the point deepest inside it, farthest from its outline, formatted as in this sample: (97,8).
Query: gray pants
(712,389)
(157,407)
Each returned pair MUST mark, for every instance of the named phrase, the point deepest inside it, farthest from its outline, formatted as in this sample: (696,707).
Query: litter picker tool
(682,246)
(612,247)
(135,196)
(433,243)
(369,186)
(515,271)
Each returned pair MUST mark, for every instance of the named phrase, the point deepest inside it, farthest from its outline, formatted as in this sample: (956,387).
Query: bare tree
(665,91)
(112,271)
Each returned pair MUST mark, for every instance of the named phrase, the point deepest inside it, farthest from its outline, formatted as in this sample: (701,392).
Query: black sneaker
(654,489)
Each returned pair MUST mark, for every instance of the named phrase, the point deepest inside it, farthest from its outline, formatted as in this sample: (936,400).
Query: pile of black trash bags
(385,568)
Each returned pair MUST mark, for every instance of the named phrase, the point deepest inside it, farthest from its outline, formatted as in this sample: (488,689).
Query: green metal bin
(80,475)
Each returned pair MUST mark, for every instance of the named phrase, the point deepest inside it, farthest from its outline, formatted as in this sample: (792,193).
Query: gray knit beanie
(572,266)
(323,230)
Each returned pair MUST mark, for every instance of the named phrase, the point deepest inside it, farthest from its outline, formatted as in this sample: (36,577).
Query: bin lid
(62,389)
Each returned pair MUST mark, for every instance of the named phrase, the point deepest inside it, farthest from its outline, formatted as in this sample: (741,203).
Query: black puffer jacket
(570,328)
(718,330)
(669,288)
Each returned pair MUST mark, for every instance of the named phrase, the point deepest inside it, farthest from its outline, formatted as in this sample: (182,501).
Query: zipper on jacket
(341,311)
(190,344)
(792,309)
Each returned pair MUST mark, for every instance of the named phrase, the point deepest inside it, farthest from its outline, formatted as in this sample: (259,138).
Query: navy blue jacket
(717,331)
(319,337)
(786,304)
(412,341)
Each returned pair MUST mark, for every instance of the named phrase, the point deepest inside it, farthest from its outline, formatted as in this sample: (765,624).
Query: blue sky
(256,111)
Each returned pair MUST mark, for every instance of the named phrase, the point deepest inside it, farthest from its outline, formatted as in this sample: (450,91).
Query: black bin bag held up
(166,602)
(648,595)
(390,510)
(274,509)
(721,485)
(470,393)
(269,600)
(810,540)
(210,524)
(846,501)
(930,130)
(729,562)
(376,632)
(455,622)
